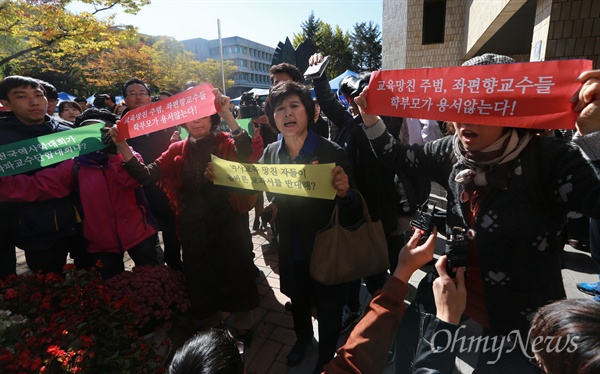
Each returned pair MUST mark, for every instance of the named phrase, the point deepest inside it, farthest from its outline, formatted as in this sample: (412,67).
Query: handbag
(341,254)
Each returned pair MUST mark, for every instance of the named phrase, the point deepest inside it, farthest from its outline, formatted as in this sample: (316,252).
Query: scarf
(95,159)
(483,166)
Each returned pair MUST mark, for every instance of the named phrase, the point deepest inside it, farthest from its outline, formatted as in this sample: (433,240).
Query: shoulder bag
(341,254)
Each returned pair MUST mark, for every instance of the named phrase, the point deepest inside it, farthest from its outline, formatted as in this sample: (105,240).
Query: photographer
(105,101)
(249,106)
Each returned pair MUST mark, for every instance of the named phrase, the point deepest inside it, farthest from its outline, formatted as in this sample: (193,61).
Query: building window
(434,21)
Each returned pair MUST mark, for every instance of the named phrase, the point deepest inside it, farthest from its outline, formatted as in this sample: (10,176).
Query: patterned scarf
(482,165)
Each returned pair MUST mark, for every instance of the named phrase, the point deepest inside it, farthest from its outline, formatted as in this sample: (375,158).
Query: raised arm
(367,346)
(48,183)
(144,174)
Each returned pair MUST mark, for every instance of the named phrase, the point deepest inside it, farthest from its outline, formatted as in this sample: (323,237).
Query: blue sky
(263,21)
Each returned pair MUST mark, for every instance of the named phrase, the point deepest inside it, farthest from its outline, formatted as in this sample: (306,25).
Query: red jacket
(113,222)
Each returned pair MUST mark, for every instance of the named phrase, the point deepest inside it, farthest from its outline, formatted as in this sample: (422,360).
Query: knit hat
(489,59)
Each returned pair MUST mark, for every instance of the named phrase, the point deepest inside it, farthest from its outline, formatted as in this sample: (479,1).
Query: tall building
(418,33)
(252,59)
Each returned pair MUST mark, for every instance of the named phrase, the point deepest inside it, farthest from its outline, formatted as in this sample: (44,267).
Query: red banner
(186,106)
(528,94)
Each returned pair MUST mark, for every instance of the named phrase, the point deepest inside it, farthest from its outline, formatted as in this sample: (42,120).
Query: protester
(321,125)
(115,217)
(513,266)
(284,72)
(218,268)
(290,107)
(47,230)
(82,103)
(68,110)
(51,95)
(164,95)
(120,109)
(373,180)
(151,146)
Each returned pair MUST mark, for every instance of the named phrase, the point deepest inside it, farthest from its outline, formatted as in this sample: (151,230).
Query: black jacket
(36,223)
(515,239)
(373,179)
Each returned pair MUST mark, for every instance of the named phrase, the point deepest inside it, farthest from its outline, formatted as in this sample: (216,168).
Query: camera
(426,220)
(249,106)
(352,86)
(247,99)
(457,250)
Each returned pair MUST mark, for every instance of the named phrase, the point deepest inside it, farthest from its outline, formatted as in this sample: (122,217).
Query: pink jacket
(111,214)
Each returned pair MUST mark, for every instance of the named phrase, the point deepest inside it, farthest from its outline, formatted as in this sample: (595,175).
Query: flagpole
(221,52)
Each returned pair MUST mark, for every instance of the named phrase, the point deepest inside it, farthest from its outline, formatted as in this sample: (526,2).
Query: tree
(172,64)
(113,67)
(310,29)
(28,26)
(366,47)
(340,47)
(210,71)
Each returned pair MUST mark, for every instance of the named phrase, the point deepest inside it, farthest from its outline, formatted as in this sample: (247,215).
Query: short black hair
(208,352)
(15,81)
(51,92)
(285,89)
(190,84)
(288,68)
(166,93)
(131,81)
(95,113)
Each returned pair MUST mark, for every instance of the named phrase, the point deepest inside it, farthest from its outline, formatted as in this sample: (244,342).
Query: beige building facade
(419,33)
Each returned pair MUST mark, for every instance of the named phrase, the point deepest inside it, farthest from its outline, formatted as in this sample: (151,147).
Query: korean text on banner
(530,94)
(189,105)
(31,154)
(297,179)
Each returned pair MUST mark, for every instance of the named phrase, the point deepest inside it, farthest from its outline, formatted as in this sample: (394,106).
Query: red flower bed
(74,325)
(156,293)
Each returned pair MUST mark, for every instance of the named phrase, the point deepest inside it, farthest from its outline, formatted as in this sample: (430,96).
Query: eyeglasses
(137,94)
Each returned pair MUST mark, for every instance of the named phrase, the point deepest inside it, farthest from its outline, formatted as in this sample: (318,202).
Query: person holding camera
(512,259)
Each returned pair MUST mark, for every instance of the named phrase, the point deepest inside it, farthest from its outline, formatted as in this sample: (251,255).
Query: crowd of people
(100,205)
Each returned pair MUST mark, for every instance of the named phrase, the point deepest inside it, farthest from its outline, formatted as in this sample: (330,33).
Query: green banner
(34,153)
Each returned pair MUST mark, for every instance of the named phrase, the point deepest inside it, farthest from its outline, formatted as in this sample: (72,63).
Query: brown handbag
(341,254)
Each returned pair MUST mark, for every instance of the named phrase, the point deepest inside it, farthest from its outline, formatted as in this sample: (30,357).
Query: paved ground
(273,333)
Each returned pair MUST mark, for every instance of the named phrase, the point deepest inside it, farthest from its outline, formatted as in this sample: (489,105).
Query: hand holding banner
(529,95)
(296,179)
(189,105)
(31,154)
